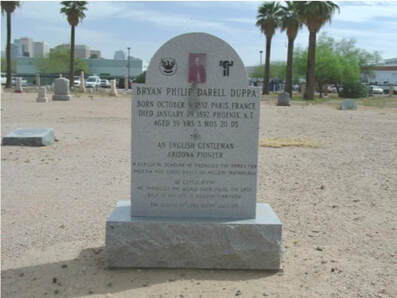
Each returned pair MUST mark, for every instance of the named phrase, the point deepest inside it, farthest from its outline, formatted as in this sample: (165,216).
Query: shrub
(353,90)
(141,78)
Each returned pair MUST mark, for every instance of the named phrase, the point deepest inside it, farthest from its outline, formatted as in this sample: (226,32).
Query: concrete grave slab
(30,137)
(348,104)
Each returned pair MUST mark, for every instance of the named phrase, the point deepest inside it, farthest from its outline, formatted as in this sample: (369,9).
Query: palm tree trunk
(288,76)
(71,74)
(265,89)
(8,50)
(311,60)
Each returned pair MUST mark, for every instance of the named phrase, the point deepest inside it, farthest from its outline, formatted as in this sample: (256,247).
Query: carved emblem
(195,135)
(168,66)
(226,64)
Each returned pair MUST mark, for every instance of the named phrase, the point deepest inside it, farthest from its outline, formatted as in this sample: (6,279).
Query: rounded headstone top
(198,59)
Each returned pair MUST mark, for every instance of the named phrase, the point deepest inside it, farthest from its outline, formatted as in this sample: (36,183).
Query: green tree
(290,21)
(332,65)
(276,71)
(59,62)
(141,78)
(4,65)
(74,10)
(268,21)
(8,7)
(314,14)
(366,60)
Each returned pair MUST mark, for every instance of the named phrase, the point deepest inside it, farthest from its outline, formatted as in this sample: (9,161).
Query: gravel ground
(337,203)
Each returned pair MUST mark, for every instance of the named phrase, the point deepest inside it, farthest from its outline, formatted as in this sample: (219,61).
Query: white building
(27,46)
(382,74)
(119,55)
(40,49)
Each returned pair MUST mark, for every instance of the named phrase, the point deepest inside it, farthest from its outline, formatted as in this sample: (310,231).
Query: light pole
(260,55)
(128,67)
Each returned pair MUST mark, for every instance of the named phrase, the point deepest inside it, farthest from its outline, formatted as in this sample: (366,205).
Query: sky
(145,26)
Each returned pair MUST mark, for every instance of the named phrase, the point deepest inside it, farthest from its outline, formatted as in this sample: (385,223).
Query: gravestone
(30,137)
(195,125)
(82,82)
(126,83)
(18,84)
(283,99)
(391,90)
(113,88)
(42,95)
(348,104)
(37,79)
(61,89)
(303,89)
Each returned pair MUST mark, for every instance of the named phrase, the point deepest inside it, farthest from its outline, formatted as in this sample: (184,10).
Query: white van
(93,82)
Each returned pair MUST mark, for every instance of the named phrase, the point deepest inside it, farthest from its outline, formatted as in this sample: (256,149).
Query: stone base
(154,242)
(30,137)
(61,97)
(41,99)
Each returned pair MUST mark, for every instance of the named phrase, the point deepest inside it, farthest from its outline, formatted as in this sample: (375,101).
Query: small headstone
(348,104)
(113,88)
(195,125)
(61,89)
(303,88)
(283,99)
(30,137)
(37,79)
(391,90)
(19,88)
(82,82)
(42,95)
(126,83)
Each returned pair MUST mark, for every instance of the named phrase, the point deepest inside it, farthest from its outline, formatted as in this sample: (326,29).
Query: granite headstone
(18,85)
(42,95)
(61,89)
(195,125)
(283,99)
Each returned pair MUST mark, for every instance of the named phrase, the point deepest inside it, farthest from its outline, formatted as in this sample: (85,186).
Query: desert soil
(337,203)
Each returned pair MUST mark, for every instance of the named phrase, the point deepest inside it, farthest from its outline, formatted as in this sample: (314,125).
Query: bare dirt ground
(337,203)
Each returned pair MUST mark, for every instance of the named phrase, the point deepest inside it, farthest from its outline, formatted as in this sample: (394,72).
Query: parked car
(3,78)
(14,81)
(93,82)
(105,83)
(77,81)
(376,89)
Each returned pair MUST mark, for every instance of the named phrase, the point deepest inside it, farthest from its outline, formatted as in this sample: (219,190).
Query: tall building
(40,49)
(82,51)
(95,54)
(27,46)
(16,49)
(119,55)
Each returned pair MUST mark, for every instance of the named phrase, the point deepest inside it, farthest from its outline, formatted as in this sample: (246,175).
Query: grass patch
(286,142)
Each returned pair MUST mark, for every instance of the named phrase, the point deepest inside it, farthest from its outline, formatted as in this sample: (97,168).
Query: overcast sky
(145,26)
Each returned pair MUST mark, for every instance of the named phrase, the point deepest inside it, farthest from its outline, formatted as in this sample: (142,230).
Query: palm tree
(74,10)
(290,21)
(268,20)
(314,15)
(8,7)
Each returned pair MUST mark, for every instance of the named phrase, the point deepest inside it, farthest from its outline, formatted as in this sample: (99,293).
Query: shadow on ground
(88,274)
